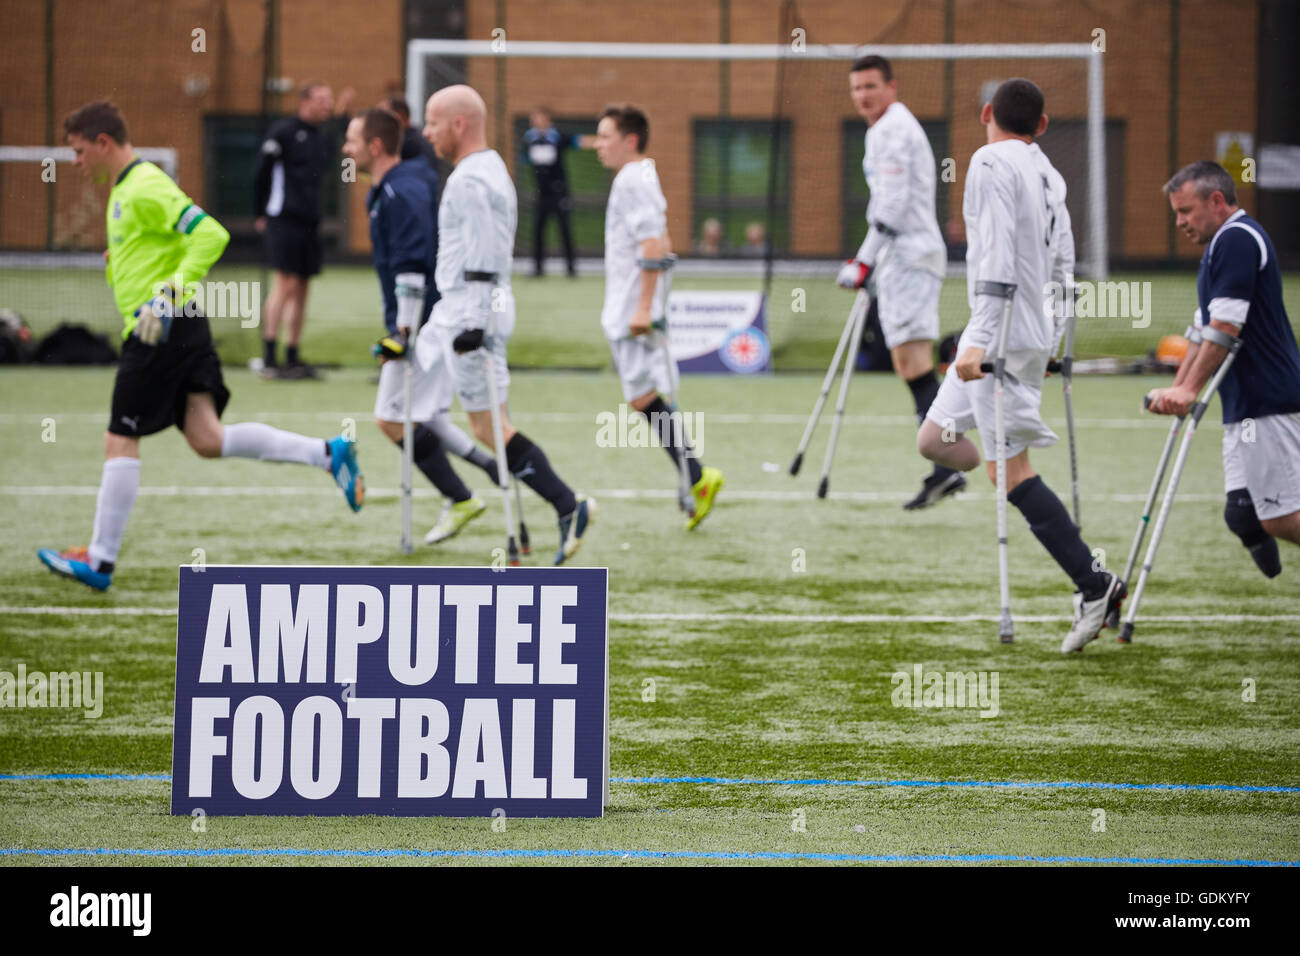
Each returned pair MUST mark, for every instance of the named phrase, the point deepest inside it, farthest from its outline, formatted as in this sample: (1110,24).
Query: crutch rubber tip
(1126,633)
(823,487)
(796,464)
(1006,638)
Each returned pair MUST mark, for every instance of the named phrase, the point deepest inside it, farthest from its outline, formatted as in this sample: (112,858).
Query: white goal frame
(163,156)
(1096,263)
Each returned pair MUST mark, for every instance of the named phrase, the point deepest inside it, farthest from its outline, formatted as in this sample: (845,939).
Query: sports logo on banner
(392,691)
(719,332)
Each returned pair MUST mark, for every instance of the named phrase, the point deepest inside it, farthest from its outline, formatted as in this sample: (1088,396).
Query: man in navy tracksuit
(543,149)
(403,210)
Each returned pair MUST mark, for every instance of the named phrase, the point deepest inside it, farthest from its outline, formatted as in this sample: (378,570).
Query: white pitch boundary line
(1150,422)
(279,491)
(751,618)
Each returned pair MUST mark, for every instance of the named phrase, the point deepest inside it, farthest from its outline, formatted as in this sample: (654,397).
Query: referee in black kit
(287,195)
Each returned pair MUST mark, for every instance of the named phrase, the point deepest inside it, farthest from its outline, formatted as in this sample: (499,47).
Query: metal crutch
(1005,291)
(1233,345)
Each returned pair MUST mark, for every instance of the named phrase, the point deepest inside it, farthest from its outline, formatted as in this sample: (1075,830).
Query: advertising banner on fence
(719,332)
(392,691)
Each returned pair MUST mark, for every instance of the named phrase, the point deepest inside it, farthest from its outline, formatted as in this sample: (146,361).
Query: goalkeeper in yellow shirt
(160,246)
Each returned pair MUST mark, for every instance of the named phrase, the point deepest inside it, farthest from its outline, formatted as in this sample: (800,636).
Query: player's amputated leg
(1239,514)
(942,480)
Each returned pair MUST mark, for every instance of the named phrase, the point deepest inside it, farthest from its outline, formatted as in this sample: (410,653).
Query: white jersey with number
(636,211)
(1017,232)
(476,233)
(898,164)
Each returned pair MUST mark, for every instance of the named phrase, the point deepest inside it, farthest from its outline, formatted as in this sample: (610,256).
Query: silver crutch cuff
(1003,290)
(1221,339)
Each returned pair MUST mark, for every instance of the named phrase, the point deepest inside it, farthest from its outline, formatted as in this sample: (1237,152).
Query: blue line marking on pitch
(651,854)
(813,782)
(1004,784)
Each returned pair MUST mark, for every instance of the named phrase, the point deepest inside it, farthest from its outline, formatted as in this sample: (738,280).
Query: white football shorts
(1262,455)
(961,406)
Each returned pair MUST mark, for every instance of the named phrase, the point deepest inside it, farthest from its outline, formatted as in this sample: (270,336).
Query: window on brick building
(732,167)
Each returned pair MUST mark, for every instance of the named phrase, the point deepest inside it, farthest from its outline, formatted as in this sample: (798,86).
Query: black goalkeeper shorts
(154,381)
(293,247)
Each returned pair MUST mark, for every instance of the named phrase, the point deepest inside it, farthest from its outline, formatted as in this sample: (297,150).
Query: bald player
(476,238)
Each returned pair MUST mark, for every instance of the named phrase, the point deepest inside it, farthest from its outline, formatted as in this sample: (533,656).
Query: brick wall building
(200,92)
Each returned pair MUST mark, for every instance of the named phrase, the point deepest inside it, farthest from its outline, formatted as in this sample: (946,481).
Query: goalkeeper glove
(853,275)
(389,347)
(154,318)
(468,341)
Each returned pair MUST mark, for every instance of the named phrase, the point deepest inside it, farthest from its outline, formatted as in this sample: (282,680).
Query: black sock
(291,355)
(477,456)
(924,388)
(268,353)
(1051,524)
(528,463)
(1239,514)
(672,433)
(431,458)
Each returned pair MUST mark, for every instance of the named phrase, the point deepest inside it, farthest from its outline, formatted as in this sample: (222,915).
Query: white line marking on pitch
(579,418)
(739,494)
(754,618)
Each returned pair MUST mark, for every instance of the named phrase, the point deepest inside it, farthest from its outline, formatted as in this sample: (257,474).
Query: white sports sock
(256,440)
(117,489)
(457,442)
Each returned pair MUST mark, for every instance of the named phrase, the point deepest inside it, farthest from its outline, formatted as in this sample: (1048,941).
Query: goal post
(445,59)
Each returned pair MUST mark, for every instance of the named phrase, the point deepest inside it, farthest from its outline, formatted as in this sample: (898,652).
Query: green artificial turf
(559,318)
(765,683)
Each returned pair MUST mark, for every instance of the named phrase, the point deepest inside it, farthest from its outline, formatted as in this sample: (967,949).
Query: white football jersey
(898,164)
(636,211)
(1017,231)
(476,233)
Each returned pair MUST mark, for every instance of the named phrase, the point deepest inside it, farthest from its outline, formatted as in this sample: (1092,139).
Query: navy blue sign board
(391,691)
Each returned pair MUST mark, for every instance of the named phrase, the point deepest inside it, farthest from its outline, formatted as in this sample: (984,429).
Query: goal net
(759,149)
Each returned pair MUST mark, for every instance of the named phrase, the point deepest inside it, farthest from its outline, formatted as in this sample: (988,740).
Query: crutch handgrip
(986,366)
(1146,402)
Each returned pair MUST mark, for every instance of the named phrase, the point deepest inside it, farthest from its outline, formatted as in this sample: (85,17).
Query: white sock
(256,440)
(457,442)
(117,489)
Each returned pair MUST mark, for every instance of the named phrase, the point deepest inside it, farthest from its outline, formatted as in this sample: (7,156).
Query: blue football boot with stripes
(346,471)
(74,563)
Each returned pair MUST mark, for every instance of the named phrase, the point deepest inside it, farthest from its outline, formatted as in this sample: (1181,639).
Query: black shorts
(293,247)
(154,381)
